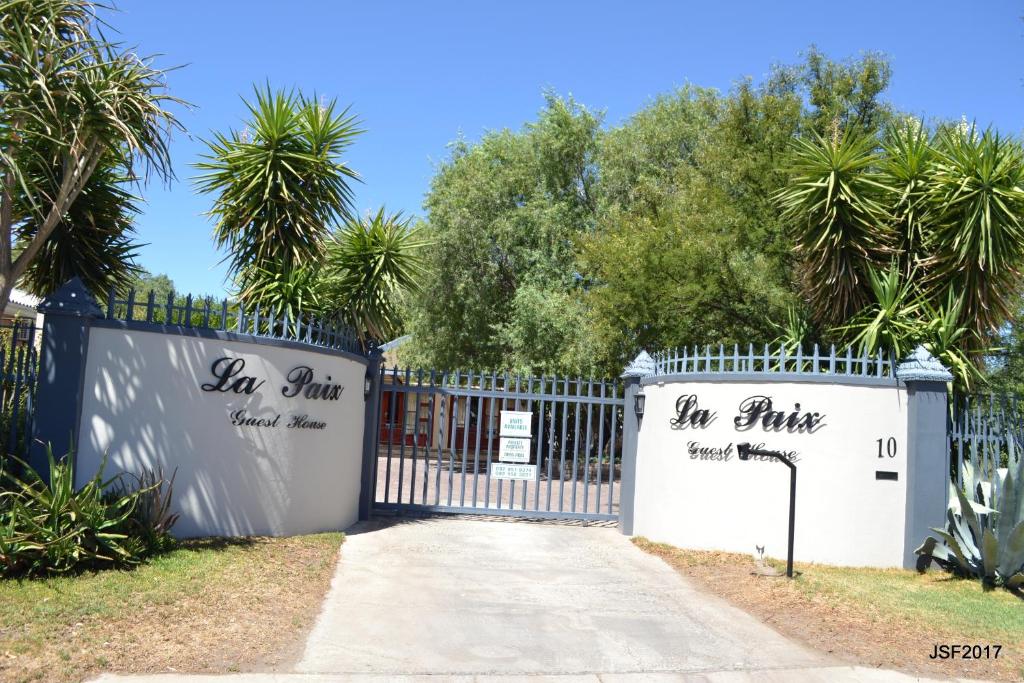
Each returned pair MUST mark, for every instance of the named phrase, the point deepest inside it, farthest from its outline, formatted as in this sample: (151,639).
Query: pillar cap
(922,366)
(641,366)
(71,299)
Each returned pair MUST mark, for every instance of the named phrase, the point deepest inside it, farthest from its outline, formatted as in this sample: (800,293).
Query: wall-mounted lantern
(367,385)
(638,404)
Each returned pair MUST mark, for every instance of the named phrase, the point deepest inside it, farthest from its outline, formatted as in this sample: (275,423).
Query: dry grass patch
(213,605)
(888,618)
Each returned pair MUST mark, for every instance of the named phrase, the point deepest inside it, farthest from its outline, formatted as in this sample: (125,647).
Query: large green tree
(689,247)
(505,218)
(82,119)
(564,247)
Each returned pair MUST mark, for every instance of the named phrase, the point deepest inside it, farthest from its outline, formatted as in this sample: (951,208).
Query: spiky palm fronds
(94,241)
(976,189)
(280,184)
(71,102)
(834,205)
(373,262)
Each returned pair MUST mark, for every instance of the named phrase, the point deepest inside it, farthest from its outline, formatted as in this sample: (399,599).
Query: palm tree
(280,189)
(79,117)
(280,184)
(940,214)
(373,262)
(834,205)
(93,242)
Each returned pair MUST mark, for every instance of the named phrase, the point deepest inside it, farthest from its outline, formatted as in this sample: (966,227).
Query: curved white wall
(845,515)
(144,404)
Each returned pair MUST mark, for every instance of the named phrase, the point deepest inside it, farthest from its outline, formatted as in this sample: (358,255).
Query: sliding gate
(439,446)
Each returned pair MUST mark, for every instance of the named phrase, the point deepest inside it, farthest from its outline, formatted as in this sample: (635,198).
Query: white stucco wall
(144,405)
(845,516)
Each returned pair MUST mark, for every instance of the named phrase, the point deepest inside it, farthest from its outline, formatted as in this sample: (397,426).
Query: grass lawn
(877,617)
(212,605)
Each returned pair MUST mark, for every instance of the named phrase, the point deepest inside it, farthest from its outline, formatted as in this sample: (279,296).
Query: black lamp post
(745,450)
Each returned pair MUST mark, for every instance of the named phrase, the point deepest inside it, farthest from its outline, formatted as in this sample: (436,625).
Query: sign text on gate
(514,446)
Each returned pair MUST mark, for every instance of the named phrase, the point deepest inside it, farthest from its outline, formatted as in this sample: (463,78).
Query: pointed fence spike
(169,309)
(130,312)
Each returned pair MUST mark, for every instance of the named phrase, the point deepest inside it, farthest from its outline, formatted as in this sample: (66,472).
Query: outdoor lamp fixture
(367,385)
(638,404)
(745,450)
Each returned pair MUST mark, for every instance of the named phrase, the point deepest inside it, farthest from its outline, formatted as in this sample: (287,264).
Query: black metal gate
(439,446)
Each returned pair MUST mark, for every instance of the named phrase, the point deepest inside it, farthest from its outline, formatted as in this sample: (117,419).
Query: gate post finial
(922,366)
(641,366)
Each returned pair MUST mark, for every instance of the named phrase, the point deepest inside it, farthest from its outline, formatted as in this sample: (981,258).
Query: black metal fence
(232,316)
(986,430)
(19,363)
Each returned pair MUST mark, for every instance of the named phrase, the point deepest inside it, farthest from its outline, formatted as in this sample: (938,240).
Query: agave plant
(49,526)
(151,518)
(984,534)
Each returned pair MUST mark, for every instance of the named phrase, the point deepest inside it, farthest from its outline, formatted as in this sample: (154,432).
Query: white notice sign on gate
(506,471)
(516,423)
(514,449)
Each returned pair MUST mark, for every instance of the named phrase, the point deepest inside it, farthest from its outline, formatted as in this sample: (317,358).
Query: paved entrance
(463,596)
(472,601)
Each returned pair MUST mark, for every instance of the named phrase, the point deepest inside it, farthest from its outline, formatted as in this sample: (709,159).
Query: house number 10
(890,447)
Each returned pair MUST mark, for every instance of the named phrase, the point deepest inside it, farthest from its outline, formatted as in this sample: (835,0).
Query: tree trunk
(6,285)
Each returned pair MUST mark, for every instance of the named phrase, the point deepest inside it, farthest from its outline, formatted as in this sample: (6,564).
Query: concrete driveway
(473,600)
(460,596)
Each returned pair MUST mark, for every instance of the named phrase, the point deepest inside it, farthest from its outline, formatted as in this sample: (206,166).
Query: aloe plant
(984,535)
(50,526)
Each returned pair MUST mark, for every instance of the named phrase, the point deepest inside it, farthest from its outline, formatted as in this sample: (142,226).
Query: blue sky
(419,73)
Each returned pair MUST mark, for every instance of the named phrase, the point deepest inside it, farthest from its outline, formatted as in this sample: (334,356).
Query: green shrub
(984,535)
(48,528)
(151,518)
